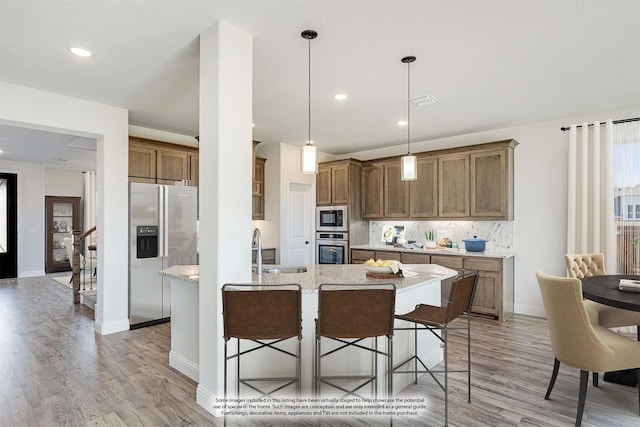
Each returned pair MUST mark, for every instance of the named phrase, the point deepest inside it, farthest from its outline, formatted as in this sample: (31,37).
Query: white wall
(540,195)
(60,182)
(30,216)
(26,107)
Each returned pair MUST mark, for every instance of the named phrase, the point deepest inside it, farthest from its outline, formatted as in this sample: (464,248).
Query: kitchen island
(423,288)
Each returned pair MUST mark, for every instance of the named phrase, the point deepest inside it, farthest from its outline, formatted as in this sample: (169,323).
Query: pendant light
(409,166)
(309,151)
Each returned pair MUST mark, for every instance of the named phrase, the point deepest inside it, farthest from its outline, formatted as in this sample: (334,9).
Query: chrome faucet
(257,243)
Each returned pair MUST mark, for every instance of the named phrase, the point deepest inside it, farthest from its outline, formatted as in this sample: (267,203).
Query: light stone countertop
(492,253)
(328,273)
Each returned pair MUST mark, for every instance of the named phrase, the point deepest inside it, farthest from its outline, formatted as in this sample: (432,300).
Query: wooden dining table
(604,289)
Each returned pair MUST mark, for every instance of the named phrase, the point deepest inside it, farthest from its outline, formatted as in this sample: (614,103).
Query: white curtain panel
(627,195)
(591,224)
(90,218)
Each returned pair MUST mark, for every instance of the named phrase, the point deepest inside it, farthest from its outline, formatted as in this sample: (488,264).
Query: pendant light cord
(409,108)
(309,97)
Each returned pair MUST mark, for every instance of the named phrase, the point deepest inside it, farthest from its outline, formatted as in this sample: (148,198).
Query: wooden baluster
(76,266)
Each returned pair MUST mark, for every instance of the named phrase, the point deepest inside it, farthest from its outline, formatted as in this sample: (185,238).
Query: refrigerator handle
(161,220)
(165,221)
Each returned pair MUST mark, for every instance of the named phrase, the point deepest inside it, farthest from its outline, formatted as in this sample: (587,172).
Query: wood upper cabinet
(396,192)
(194,169)
(338,183)
(173,165)
(453,185)
(372,190)
(333,184)
(142,163)
(491,188)
(423,192)
(257,193)
(162,163)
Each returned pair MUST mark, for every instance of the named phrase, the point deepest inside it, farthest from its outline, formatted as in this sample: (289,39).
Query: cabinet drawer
(388,255)
(452,262)
(410,258)
(361,254)
(483,264)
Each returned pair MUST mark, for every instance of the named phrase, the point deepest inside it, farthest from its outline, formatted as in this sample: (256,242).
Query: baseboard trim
(530,310)
(111,327)
(207,399)
(184,366)
(32,273)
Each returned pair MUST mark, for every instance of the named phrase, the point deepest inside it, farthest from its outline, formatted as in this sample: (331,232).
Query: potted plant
(430,237)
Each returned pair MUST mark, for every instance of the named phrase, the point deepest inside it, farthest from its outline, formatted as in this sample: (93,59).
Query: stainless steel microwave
(331,218)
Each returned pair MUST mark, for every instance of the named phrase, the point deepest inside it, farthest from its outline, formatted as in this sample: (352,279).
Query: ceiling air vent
(424,100)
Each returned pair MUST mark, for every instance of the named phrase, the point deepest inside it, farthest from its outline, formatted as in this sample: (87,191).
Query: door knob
(306,242)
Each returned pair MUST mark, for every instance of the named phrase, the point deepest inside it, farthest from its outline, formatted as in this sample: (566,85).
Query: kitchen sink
(273,269)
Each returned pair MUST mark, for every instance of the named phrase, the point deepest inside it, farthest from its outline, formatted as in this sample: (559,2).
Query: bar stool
(267,315)
(349,314)
(438,319)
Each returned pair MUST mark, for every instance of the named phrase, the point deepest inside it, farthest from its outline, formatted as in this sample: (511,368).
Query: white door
(300,225)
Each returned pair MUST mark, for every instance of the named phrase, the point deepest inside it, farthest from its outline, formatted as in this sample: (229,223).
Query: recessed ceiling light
(401,123)
(253,125)
(340,96)
(79,51)
(57,159)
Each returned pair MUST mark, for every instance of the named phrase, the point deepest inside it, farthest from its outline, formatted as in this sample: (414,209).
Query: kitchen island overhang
(424,288)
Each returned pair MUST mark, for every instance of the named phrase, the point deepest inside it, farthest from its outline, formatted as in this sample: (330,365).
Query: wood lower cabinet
(495,292)
(62,217)
(268,256)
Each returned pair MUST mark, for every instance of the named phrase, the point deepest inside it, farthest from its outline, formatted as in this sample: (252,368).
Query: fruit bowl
(389,268)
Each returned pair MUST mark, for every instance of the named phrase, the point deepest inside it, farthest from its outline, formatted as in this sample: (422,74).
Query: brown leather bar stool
(438,319)
(348,314)
(267,315)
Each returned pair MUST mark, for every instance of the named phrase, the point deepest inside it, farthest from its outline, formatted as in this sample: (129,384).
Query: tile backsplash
(499,234)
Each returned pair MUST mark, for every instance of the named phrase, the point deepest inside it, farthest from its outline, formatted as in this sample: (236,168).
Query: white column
(225,188)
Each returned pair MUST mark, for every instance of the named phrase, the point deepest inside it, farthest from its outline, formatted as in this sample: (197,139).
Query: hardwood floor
(55,370)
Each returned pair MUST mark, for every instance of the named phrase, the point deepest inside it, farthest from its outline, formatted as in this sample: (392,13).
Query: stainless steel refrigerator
(162,233)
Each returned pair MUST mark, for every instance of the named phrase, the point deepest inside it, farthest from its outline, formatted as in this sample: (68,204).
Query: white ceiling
(491,63)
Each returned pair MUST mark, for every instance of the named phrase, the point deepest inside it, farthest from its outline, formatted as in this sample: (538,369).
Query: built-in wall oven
(332,248)
(331,218)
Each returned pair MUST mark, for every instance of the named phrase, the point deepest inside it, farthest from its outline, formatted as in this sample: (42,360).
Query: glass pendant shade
(309,159)
(409,166)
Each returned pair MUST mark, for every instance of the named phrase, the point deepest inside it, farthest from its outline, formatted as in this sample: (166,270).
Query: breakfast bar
(424,287)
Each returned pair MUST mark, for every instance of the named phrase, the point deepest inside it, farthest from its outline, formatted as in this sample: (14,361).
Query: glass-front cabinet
(62,217)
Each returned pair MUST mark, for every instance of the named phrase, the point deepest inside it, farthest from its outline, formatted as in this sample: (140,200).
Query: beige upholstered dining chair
(587,265)
(576,341)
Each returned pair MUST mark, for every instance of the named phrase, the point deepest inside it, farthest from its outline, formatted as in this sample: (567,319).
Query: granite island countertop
(491,253)
(318,274)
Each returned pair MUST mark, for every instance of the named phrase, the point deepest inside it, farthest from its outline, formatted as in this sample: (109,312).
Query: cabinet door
(393,255)
(423,193)
(340,184)
(358,256)
(258,189)
(323,186)
(396,192)
(62,216)
(453,186)
(142,163)
(173,165)
(488,298)
(489,184)
(372,190)
(413,258)
(194,169)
